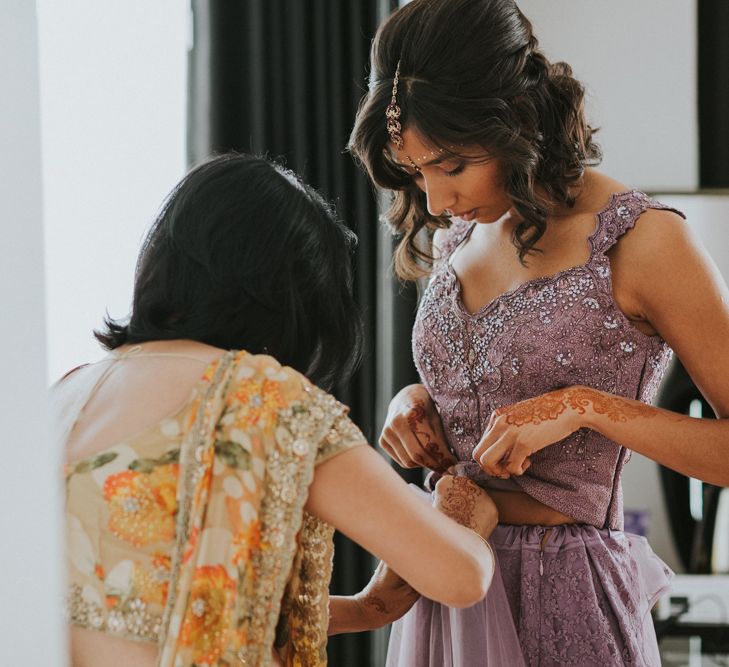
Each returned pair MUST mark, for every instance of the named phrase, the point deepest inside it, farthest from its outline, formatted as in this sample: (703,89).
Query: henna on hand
(386,598)
(547,407)
(415,417)
(460,502)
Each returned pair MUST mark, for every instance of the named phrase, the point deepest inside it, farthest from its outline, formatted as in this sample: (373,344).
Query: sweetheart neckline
(538,280)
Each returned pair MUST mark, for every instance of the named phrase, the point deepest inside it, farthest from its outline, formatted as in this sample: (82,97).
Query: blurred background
(106,105)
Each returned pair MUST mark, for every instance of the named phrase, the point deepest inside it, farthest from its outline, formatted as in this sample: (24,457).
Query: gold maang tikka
(393,111)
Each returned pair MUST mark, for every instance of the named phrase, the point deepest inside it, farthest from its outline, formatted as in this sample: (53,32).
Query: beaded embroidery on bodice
(551,332)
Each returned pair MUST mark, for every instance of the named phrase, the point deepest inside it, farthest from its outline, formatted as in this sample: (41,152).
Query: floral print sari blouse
(193,534)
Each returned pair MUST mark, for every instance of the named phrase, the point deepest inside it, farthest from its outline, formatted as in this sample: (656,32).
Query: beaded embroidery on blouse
(548,333)
(189,537)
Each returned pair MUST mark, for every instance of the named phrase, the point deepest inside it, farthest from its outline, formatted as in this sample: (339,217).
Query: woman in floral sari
(207,466)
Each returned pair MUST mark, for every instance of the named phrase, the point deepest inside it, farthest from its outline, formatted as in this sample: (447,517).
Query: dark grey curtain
(284,77)
(713,77)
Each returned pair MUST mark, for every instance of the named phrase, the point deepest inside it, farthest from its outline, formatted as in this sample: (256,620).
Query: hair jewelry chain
(393,113)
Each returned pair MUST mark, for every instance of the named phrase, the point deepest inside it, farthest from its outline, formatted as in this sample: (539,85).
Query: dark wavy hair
(244,255)
(471,74)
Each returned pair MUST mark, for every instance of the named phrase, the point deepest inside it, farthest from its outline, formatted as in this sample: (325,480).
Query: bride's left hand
(516,432)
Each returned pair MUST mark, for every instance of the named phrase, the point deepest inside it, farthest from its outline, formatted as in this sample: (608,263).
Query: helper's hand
(386,598)
(413,433)
(467,503)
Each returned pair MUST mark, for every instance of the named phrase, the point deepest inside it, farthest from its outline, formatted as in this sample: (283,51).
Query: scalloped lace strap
(620,216)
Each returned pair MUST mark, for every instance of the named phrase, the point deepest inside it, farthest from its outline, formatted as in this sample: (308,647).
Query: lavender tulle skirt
(583,599)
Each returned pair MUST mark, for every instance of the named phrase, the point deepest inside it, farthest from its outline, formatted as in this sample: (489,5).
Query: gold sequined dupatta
(244,543)
(196,460)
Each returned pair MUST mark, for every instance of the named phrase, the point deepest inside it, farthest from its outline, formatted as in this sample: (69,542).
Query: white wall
(638,61)
(113,100)
(30,515)
(708,216)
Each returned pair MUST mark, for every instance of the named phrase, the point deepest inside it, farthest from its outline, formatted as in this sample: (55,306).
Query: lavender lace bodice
(551,332)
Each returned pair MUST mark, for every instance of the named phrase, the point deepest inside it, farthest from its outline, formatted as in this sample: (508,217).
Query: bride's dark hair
(471,74)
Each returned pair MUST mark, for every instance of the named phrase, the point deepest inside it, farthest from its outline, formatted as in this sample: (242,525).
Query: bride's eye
(455,171)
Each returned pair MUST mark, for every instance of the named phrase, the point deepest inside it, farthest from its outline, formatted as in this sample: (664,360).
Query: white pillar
(30,546)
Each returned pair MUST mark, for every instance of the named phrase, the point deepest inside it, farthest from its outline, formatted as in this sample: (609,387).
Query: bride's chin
(489,218)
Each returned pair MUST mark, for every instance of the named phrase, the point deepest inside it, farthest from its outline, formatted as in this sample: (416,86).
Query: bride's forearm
(695,447)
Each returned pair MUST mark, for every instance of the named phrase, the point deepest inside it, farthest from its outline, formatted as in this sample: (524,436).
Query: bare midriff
(519,509)
(90,648)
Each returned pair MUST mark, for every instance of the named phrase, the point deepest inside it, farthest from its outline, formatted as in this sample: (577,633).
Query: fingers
(499,453)
(442,456)
(421,432)
(516,465)
(393,447)
(413,449)
(490,437)
(505,457)
(492,419)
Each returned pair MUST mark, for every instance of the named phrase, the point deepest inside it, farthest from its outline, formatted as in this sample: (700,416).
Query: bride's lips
(468,215)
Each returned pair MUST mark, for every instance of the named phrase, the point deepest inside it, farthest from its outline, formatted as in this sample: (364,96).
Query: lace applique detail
(568,605)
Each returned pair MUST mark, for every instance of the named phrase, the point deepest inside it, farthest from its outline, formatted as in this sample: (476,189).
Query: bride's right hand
(466,502)
(413,433)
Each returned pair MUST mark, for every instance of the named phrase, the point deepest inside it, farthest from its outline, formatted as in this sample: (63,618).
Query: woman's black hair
(471,74)
(244,255)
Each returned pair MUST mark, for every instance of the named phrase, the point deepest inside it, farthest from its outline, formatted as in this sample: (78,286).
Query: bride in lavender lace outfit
(555,298)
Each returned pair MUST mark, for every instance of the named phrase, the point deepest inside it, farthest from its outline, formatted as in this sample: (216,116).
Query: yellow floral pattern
(151,580)
(259,401)
(208,617)
(210,505)
(142,506)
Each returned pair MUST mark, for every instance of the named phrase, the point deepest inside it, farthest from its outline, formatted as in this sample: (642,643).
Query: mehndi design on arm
(617,408)
(551,406)
(377,603)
